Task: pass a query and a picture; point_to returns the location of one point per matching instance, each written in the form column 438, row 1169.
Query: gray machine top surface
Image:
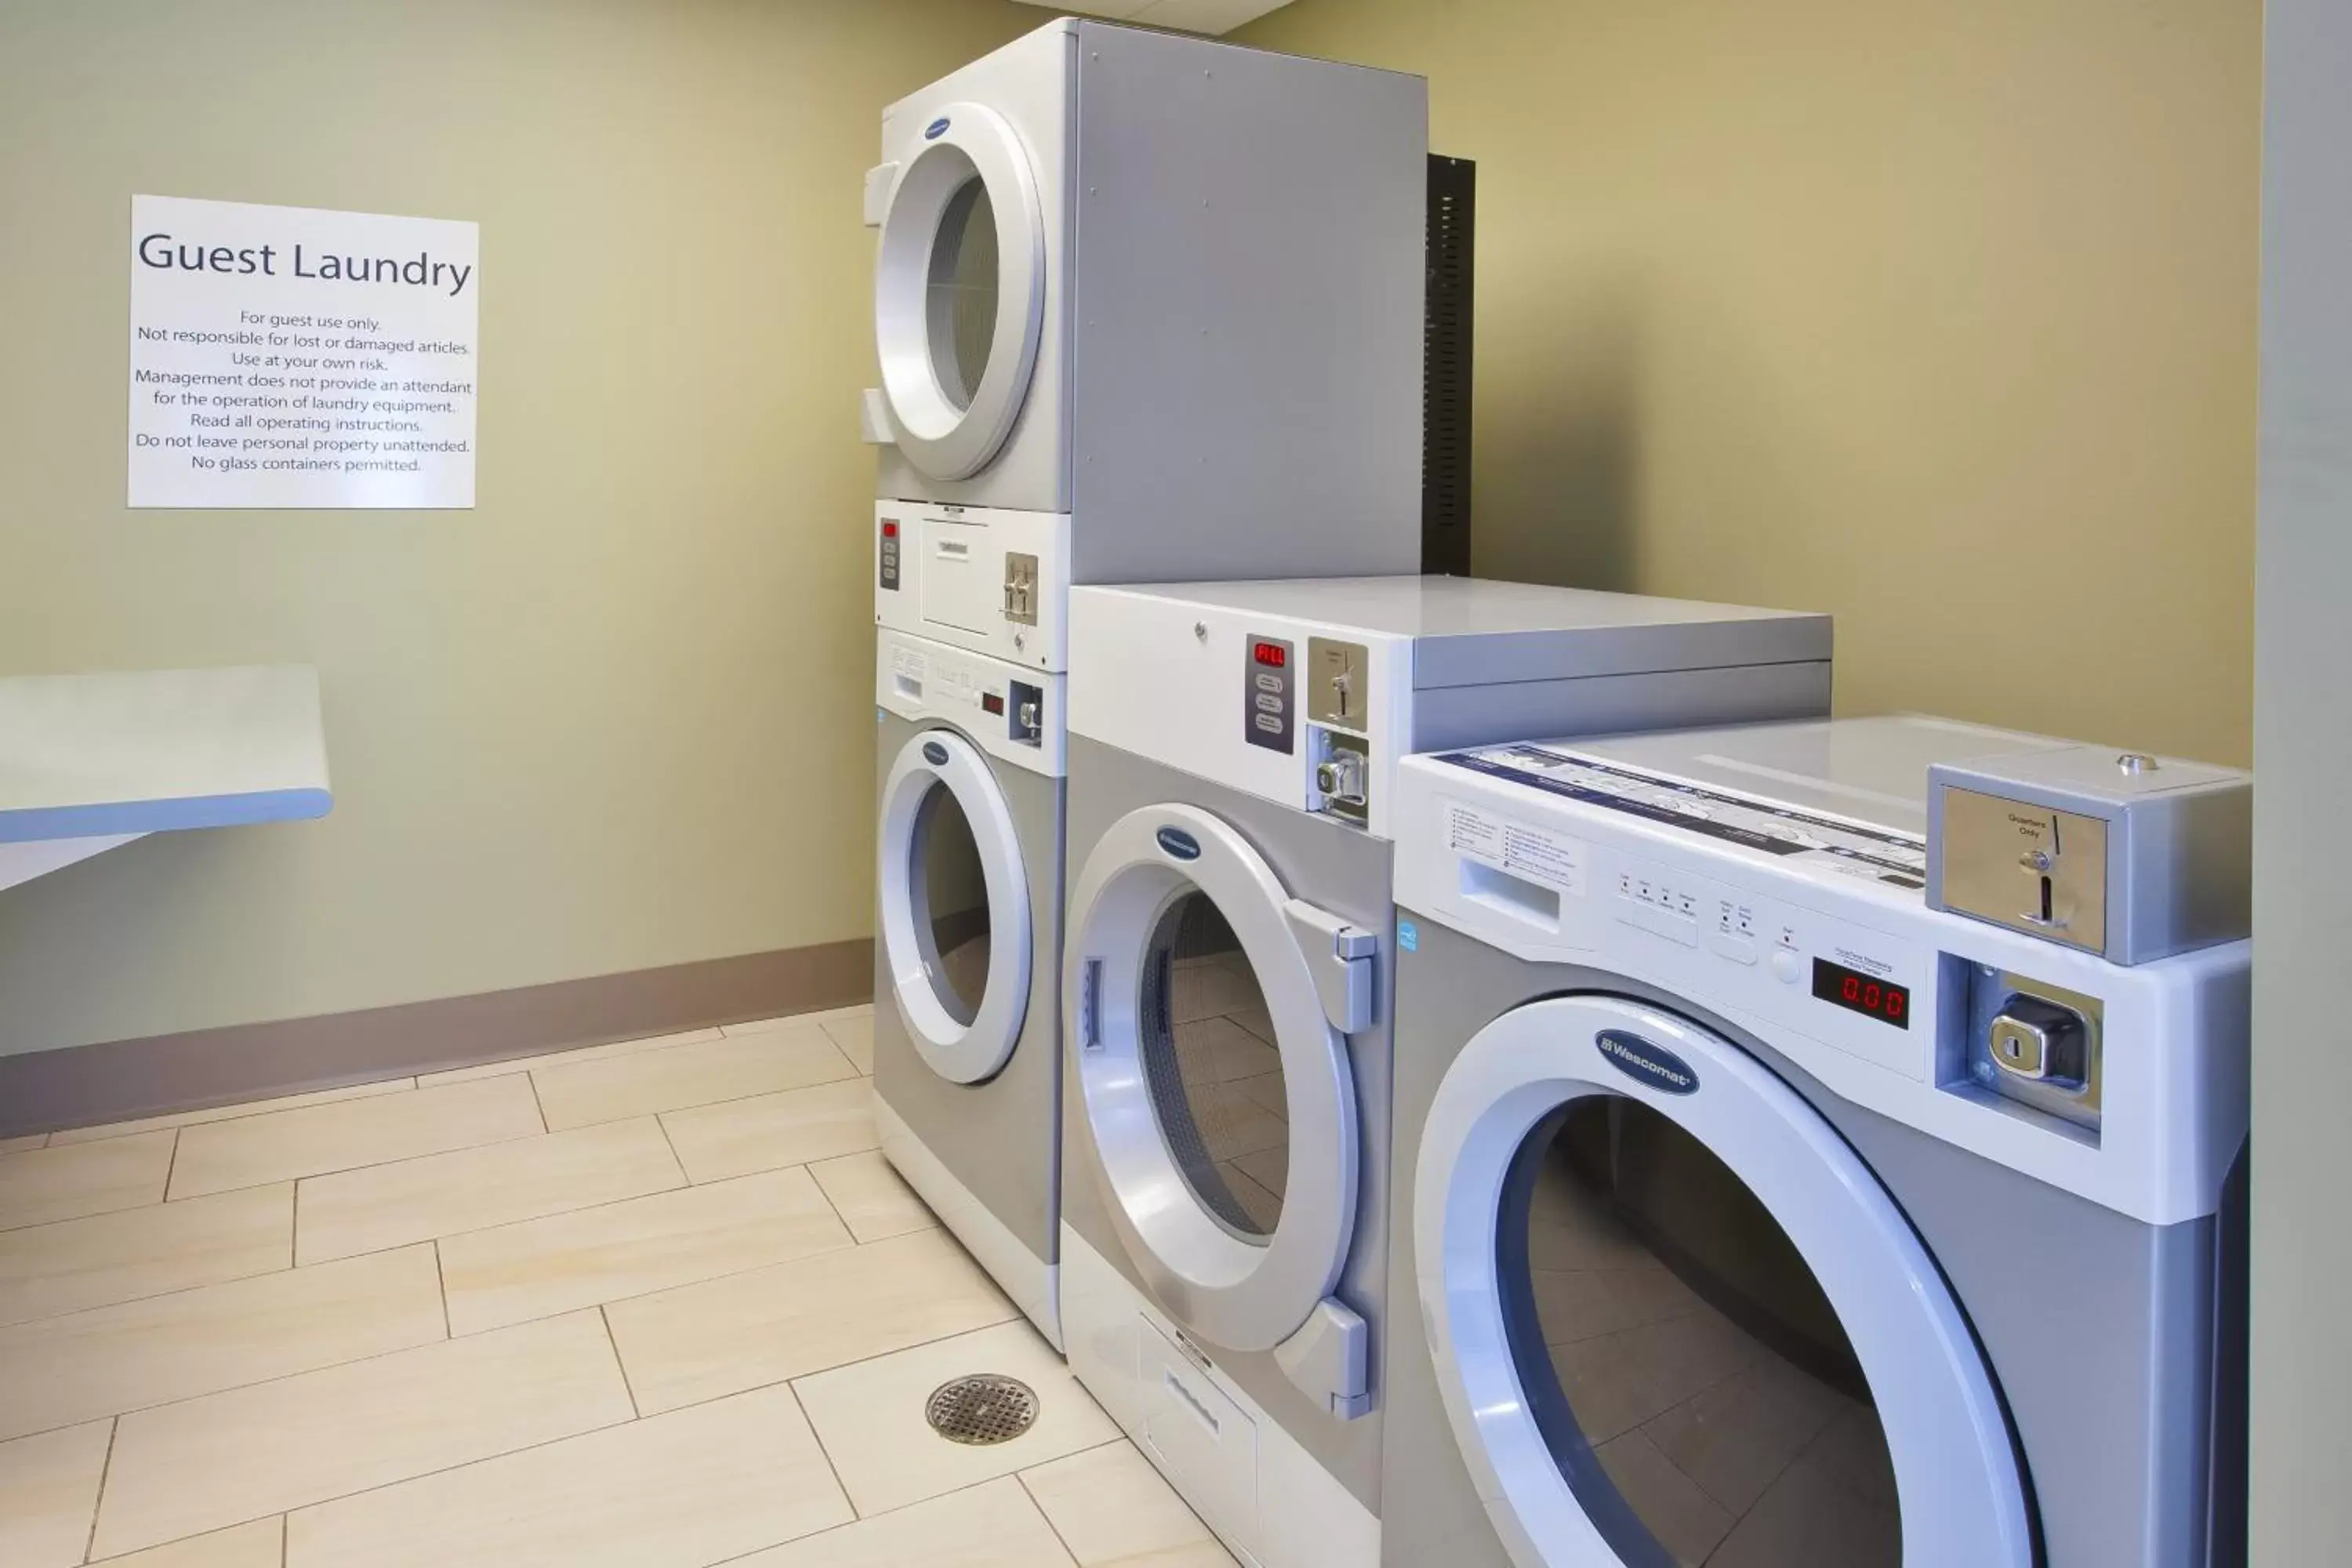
column 1473, row 631
column 1872, row 771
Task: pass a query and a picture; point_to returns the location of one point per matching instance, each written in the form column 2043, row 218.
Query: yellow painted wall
column 619, row 715
column 1936, row 314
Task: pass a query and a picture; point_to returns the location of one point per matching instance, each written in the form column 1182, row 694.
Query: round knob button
column 1788, row 967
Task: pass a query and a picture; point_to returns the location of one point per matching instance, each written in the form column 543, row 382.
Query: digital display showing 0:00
column 1864, row 993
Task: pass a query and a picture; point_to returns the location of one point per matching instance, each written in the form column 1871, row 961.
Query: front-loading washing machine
column 1766, row 1196
column 1226, row 979
column 1147, row 307
column 968, row 754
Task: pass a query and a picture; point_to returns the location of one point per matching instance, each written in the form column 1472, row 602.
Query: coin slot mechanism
column 1026, row 720
column 1338, row 775
column 2022, row 1044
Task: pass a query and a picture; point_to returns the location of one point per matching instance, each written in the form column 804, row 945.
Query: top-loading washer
column 1227, row 973
column 1147, row 307
column 967, row 951
column 1818, row 1144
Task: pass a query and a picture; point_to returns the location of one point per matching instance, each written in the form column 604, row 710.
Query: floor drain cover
column 980, row 1409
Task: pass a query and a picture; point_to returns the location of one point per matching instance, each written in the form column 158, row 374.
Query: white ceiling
column 1188, row 16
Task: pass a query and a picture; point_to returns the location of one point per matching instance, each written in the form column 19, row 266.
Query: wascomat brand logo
column 1637, row 1058
column 1180, row 844
column 935, row 754
column 935, row 130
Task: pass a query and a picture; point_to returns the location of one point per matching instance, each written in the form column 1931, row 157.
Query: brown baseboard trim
column 161, row 1075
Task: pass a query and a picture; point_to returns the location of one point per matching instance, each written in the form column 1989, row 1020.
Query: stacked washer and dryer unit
column 1819, row 1143
column 1139, row 298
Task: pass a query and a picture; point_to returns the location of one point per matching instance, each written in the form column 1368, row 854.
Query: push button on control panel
column 1655, row 905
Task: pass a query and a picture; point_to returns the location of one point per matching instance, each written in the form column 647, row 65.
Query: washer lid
column 960, row 291
column 964, row 1038
column 1769, row 1252
column 1159, row 1099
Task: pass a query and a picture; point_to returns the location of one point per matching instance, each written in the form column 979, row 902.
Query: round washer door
column 1217, row 1095
column 954, row 911
column 960, row 291
column 1676, row 1319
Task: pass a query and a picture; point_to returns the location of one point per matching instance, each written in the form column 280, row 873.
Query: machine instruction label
column 1844, row 848
column 295, row 357
column 1554, row 859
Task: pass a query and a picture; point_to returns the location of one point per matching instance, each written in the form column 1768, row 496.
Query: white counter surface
column 87, row 762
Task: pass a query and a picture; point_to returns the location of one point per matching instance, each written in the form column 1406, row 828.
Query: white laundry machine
column 1147, row 307
column 969, row 755
column 1818, row 1144
column 1226, row 976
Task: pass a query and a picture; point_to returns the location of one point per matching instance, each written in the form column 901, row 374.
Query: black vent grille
column 1445, row 367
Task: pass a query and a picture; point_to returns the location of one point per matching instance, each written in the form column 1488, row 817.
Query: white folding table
column 91, row 762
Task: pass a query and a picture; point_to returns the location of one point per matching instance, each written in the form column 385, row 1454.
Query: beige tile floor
column 656, row 1304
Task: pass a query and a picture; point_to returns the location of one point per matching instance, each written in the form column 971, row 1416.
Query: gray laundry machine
column 1783, row 1180
column 1226, row 984
column 969, row 759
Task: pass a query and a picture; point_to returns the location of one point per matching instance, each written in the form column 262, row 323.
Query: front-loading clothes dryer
column 1147, row 307
column 1226, row 984
column 1722, row 1234
column 968, row 754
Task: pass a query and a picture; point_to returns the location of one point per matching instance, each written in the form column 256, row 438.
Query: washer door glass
column 960, row 291
column 953, row 906
column 952, row 884
column 1689, row 1371
column 1207, row 1042
column 1218, row 1099
column 1675, row 1321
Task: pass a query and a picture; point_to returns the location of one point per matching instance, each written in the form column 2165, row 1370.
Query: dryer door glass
column 961, row 302
column 1690, row 1374
column 953, row 920
column 1207, row 1044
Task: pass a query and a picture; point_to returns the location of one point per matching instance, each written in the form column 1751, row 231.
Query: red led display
column 889, row 528
column 1273, row 655
column 1864, row 993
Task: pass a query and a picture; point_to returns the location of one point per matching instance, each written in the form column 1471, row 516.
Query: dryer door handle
column 881, row 182
column 1344, row 960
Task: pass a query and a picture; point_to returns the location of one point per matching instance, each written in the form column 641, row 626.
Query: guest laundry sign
column 295, row 357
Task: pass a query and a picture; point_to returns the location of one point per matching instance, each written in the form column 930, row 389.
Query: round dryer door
column 1676, row 1321
column 1216, row 1093
column 960, row 291
column 954, row 907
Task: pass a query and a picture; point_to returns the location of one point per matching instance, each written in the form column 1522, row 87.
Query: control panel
column 993, row 580
column 1976, row 1030
column 1269, row 683
column 2127, row 1086
column 1011, row 713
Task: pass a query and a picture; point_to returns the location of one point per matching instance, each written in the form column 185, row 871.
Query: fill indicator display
column 1864, row 993
column 1273, row 655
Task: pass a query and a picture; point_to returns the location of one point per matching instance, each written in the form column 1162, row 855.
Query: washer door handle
column 1343, row 958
